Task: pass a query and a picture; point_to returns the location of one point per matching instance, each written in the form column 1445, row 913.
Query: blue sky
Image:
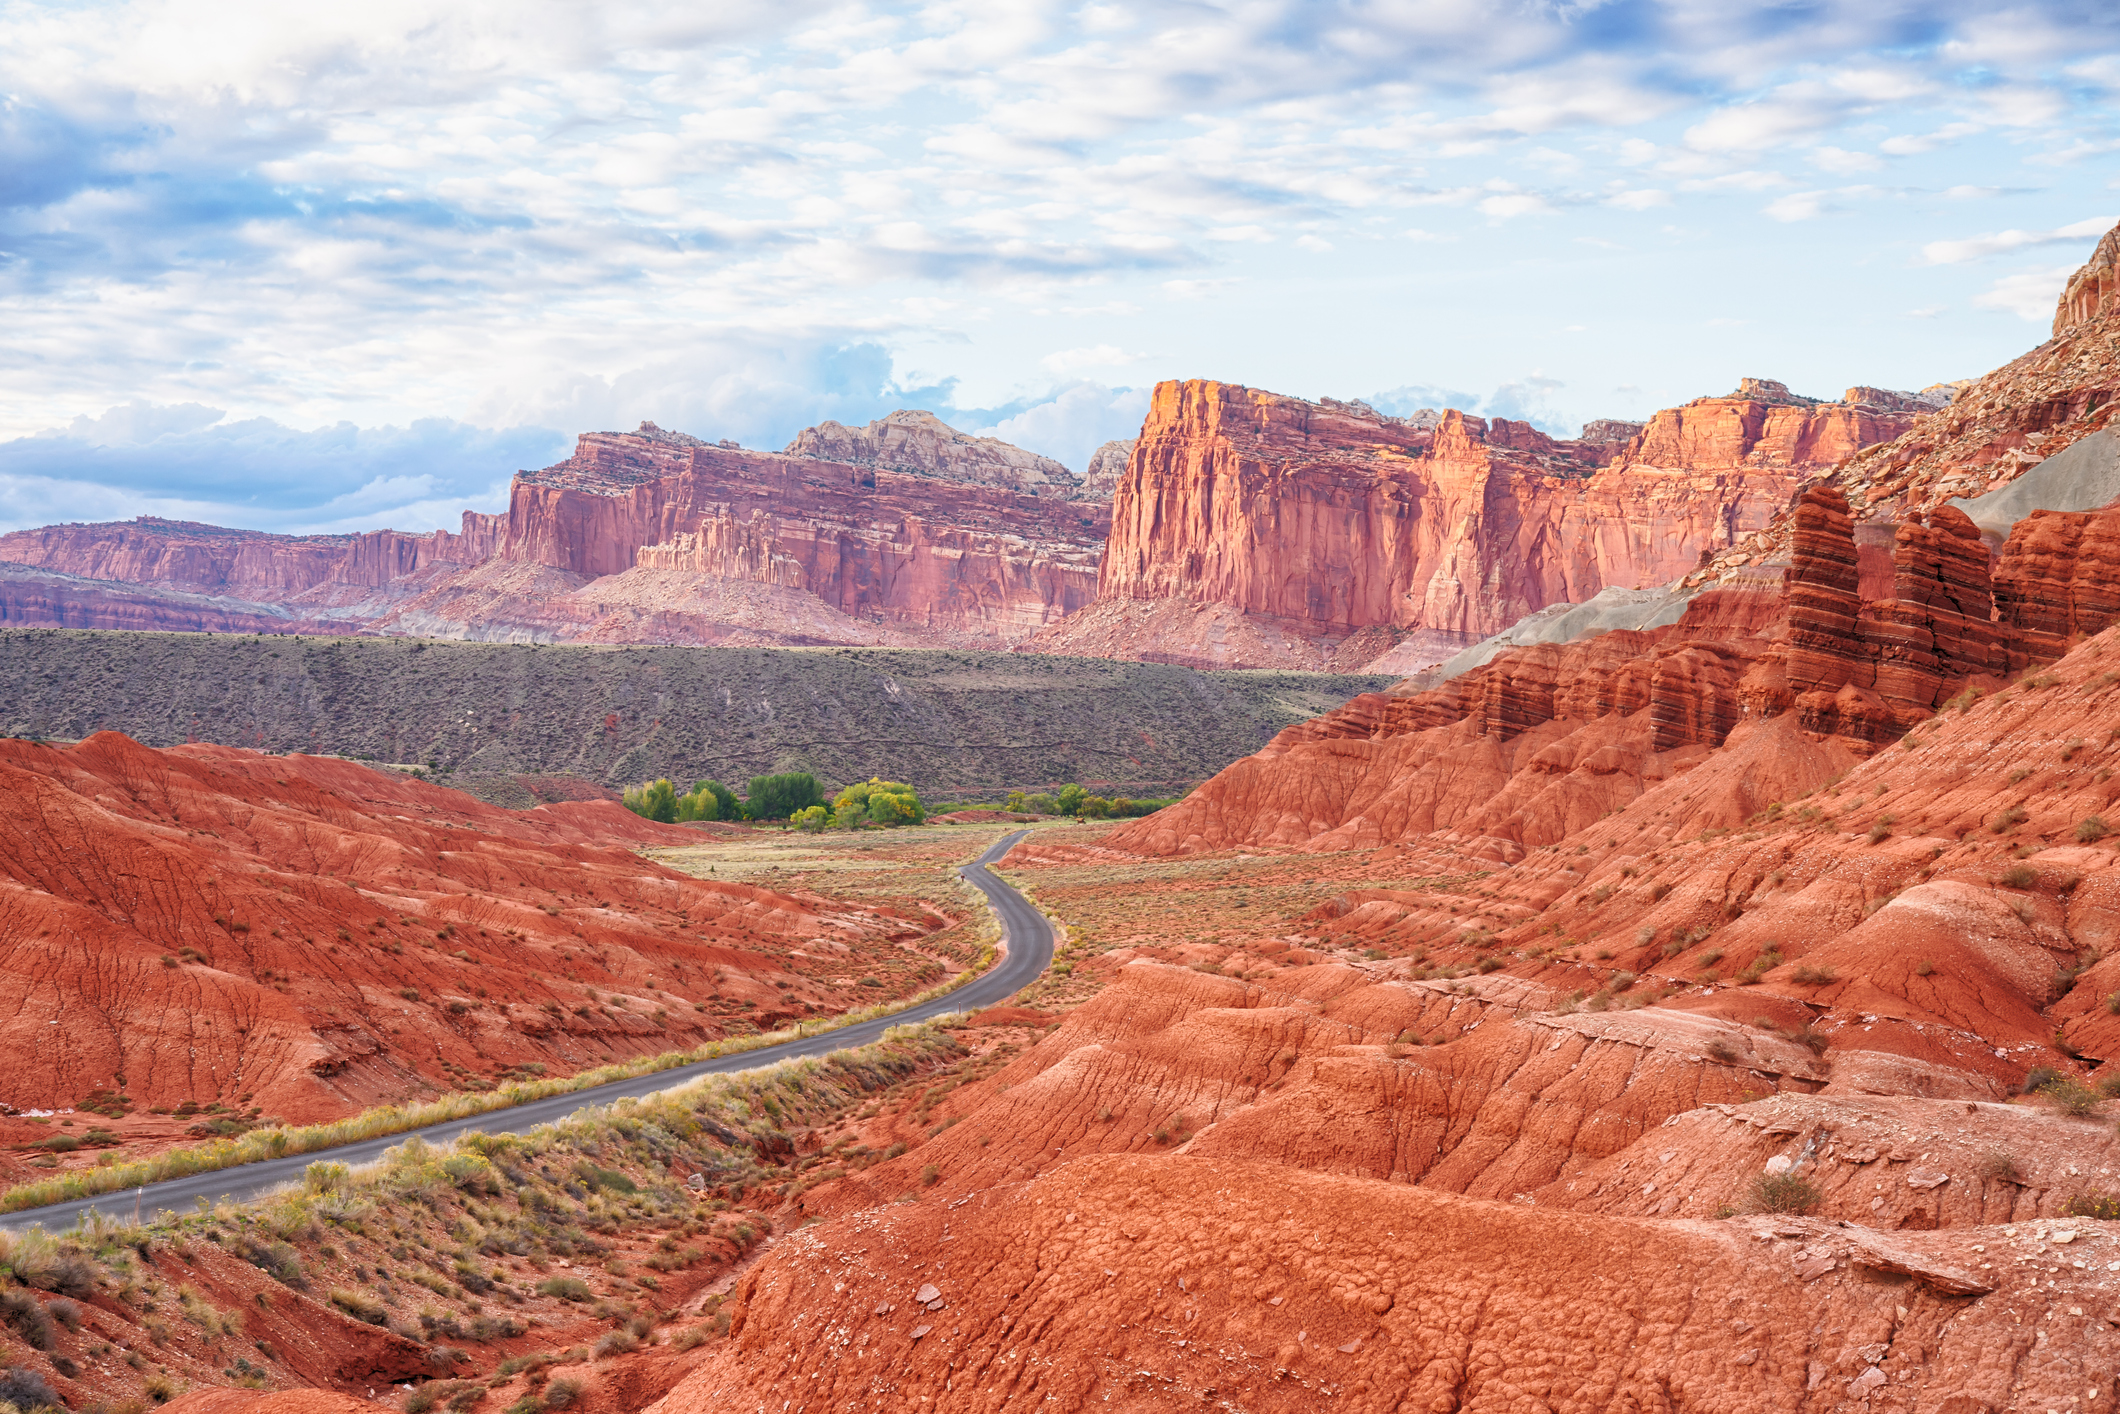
column 329, row 267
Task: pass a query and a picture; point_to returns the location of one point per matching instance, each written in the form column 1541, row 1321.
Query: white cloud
column 549, row 215
column 1979, row 247
column 2028, row 294
column 1841, row 162
column 1512, row 204
column 1641, row 199
column 1799, row 206
column 1067, row 363
column 1073, row 422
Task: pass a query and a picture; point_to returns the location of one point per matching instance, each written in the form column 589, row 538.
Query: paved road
column 1029, row 951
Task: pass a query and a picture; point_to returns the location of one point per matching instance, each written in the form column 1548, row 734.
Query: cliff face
column 986, row 562
column 920, row 442
column 649, row 536
column 1329, row 518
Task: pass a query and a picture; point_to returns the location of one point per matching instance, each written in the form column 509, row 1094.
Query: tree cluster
column 1074, row 800
column 877, row 802
column 707, row 800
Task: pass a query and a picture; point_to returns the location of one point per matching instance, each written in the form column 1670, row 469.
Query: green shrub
column 2070, row 1096
column 657, row 800
column 2008, row 820
column 2091, row 830
column 2102, row 1206
column 565, row 1288
column 360, row 1306
column 562, row 1392
column 1809, row 976
column 2018, row 876
column 1784, row 1193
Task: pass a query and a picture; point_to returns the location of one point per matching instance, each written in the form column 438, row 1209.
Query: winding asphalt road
column 1029, row 950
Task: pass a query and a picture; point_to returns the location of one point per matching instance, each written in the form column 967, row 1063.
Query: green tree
column 724, row 799
column 778, row 797
column 878, row 802
column 1041, row 804
column 699, row 805
column 810, row 817
column 1070, row 799
column 1016, row 802
column 1096, row 807
column 657, row 800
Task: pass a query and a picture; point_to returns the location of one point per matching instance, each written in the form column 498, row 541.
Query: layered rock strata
column 1988, row 433
column 922, row 535
column 1325, row 519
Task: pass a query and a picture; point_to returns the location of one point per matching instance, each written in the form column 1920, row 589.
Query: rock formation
column 919, row 535
column 318, row 936
column 1723, row 1027
column 1322, row 520
column 1106, row 465
column 922, row 443
column 2092, row 292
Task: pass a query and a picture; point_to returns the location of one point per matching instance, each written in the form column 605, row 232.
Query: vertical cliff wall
column 1330, row 518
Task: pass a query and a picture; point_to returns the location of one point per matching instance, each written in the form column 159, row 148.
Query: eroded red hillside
column 307, row 936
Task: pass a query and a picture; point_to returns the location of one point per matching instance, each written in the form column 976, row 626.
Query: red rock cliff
column 960, row 539
column 1336, row 518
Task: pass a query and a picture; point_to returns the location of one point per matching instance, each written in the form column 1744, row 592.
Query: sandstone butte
column 1713, row 1017
column 1253, row 529
column 307, row 936
column 1246, row 529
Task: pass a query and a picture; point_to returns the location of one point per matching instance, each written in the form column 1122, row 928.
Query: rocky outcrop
column 2058, row 579
column 922, row 444
column 1325, row 519
column 210, row 559
column 1824, row 649
column 1106, row 465
column 964, row 562
column 1603, row 431
column 1984, row 433
column 2093, row 291
column 1891, row 400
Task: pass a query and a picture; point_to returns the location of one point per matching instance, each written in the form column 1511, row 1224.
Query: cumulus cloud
column 544, row 215
column 1979, row 247
column 2028, row 294
column 186, row 462
column 1068, row 425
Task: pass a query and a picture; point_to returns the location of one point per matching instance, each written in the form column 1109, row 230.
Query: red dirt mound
column 286, row 1401
column 306, row 936
column 1145, row 1283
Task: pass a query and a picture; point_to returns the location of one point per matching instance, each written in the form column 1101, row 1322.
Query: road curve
column 1029, row 950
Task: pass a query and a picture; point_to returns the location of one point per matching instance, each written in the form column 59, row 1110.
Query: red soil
column 308, row 936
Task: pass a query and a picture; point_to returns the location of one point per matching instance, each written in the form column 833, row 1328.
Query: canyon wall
column 924, row 536
column 1242, row 529
column 1325, row 519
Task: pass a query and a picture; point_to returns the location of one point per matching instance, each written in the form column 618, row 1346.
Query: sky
column 310, row 267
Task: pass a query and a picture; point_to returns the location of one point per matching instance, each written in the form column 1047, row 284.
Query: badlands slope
column 1716, row 1016
column 306, row 936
